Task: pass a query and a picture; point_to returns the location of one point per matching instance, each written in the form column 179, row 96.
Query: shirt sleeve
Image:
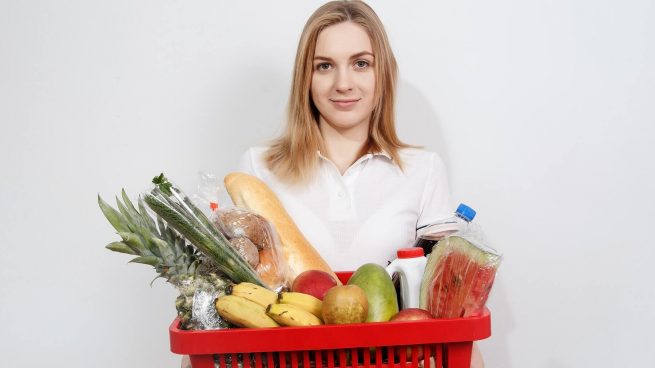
column 436, row 202
column 247, row 163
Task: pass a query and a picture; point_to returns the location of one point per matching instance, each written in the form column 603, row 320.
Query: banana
column 305, row 301
column 291, row 315
column 243, row 312
column 252, row 292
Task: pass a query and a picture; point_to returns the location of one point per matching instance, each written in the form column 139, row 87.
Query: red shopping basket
column 445, row 343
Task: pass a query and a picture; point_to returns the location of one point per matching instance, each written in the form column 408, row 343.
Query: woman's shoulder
column 420, row 158
column 256, row 151
column 253, row 160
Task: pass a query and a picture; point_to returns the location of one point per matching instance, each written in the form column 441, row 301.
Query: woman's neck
column 344, row 146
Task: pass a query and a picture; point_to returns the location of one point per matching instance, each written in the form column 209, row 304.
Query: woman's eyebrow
column 362, row 54
column 355, row 56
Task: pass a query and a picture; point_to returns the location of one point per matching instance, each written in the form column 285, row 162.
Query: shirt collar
column 381, row 154
column 368, row 155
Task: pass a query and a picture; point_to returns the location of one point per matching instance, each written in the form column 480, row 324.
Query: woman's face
column 343, row 79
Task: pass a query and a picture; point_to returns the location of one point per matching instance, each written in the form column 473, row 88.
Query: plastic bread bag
column 209, row 193
column 251, row 235
column 459, row 275
column 256, row 240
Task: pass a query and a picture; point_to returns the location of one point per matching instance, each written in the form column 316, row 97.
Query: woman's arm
column 435, row 201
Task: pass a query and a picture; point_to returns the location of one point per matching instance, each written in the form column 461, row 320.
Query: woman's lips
column 345, row 103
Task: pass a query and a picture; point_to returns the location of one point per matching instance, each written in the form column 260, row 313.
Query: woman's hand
column 476, row 357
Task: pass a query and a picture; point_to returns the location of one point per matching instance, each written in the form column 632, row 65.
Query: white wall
column 543, row 111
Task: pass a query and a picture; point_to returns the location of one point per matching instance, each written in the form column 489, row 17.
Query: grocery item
column 252, row 292
column 243, row 312
column 313, row 282
column 429, row 235
column 345, row 304
column 249, row 192
column 256, row 241
column 246, row 249
column 292, row 315
column 272, row 269
column 240, row 223
column 411, row 314
column 408, row 267
column 458, row 278
column 171, row 204
column 379, row 289
column 304, row 301
column 154, row 243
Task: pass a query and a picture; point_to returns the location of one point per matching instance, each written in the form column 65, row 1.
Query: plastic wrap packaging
column 251, row 235
column 459, row 275
column 196, row 302
column 256, row 240
column 204, row 315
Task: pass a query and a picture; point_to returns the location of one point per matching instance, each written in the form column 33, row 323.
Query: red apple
column 313, row 282
column 411, row 314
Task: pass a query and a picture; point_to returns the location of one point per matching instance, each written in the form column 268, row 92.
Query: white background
column 542, row 110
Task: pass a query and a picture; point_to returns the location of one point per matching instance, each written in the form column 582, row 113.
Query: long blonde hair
column 292, row 157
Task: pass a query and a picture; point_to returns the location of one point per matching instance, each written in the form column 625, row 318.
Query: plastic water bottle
column 429, row 235
column 409, row 266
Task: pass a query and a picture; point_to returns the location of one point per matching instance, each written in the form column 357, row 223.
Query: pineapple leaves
column 149, row 238
column 120, row 247
column 138, row 225
column 165, row 250
column 129, row 206
column 146, row 218
column 115, row 218
column 155, row 279
column 149, row 260
column 134, row 241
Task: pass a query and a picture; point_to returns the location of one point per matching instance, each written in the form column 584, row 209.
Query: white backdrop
column 543, row 111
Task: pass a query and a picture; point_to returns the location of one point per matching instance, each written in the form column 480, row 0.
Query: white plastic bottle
column 429, row 235
column 409, row 266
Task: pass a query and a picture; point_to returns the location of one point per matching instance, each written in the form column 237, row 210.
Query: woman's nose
column 343, row 81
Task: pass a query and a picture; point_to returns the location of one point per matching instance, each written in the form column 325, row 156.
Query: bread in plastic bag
column 242, row 227
column 459, row 275
column 250, row 234
column 238, row 223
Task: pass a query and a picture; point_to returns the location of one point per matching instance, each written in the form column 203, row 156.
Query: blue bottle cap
column 465, row 212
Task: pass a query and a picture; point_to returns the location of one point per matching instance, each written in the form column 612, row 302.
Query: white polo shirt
column 367, row 213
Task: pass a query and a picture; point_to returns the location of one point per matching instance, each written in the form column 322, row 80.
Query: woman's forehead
column 342, row 41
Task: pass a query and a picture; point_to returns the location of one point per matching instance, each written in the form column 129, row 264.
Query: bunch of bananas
column 250, row 305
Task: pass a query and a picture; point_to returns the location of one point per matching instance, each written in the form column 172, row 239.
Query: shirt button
column 341, row 195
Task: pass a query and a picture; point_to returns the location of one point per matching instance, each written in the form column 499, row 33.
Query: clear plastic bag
column 459, row 275
column 196, row 303
column 250, row 234
column 255, row 238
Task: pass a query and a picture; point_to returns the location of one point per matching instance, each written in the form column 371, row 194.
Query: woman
column 353, row 188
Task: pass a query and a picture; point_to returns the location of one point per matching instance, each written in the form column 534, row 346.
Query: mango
column 379, row 289
column 344, row 304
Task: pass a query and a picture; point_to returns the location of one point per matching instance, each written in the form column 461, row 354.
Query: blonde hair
column 292, row 157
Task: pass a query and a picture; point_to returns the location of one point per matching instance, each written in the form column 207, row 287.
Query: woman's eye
column 323, row 66
column 361, row 64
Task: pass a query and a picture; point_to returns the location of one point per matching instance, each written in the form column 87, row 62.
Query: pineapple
column 154, row 243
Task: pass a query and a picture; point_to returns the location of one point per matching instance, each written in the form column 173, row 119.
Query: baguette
column 250, row 192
